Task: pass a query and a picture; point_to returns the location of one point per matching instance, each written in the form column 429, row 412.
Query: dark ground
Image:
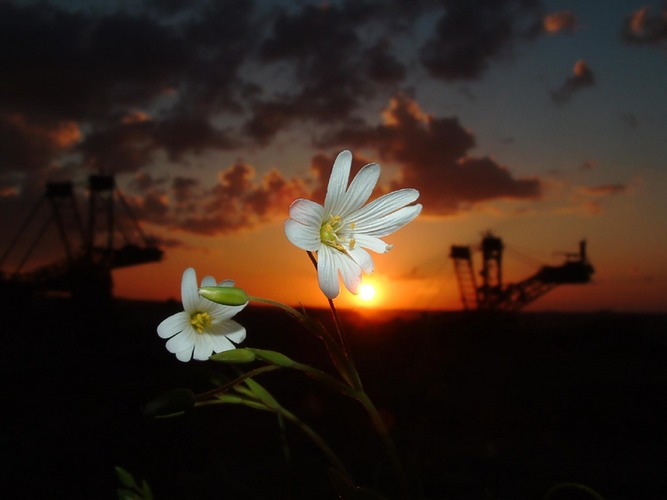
column 480, row 407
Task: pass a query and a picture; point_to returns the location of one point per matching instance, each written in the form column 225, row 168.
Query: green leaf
column 170, row 403
column 146, row 490
column 234, row 356
column 229, row 398
column 124, row 494
column 273, row 357
column 262, row 394
column 125, row 477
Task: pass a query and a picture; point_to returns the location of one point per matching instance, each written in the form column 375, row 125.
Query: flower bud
column 226, row 295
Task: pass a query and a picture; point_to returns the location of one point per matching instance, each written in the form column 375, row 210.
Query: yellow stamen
column 200, row 321
column 329, row 234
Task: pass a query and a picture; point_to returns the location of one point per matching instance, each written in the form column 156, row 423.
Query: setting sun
column 366, row 292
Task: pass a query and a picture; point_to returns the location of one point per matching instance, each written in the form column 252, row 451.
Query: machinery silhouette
column 84, row 272
column 493, row 295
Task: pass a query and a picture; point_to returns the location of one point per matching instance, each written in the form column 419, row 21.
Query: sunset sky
column 542, row 121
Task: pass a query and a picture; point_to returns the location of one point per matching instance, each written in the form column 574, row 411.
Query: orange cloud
column 31, row 145
column 560, row 22
column 135, row 117
column 432, row 153
column 637, row 22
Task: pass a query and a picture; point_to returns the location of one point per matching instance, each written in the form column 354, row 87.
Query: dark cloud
column 642, row 27
column 130, row 144
column 604, row 190
column 563, row 21
column 183, row 187
column 588, row 165
column 73, row 66
column 164, row 74
column 433, row 157
column 471, row 33
column 33, row 144
column 86, row 68
column 581, row 77
column 333, row 68
column 630, row 119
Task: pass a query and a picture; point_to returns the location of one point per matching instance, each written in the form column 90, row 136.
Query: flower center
column 200, row 321
column 331, row 234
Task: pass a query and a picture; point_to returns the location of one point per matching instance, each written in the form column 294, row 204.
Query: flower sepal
column 274, row 358
column 234, row 356
column 225, row 295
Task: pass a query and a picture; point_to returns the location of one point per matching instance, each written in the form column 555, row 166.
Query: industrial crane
column 90, row 252
column 493, row 295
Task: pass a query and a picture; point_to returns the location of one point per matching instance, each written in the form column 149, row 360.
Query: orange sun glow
column 366, row 292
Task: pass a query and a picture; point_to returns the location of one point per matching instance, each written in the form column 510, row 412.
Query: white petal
column 306, row 212
column 208, row 281
column 228, row 328
column 390, row 222
column 226, row 283
column 304, row 237
column 360, row 189
column 351, row 273
column 237, row 332
column 173, row 324
column 372, row 243
column 189, row 290
column 183, row 340
column 384, row 205
column 223, row 312
column 327, row 271
column 362, row 258
column 185, row 355
column 221, row 343
column 340, row 174
column 203, row 348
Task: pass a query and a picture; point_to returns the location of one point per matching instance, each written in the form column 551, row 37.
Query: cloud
column 130, row 144
column 163, row 76
column 589, row 165
column 29, row 145
column 630, row 119
column 643, row 28
column 333, row 70
column 240, row 200
column 563, row 21
column 433, row 156
column 87, row 68
column 604, row 189
column 581, row 77
column 469, row 35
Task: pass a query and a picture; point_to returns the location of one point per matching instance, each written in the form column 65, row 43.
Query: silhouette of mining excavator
column 90, row 252
column 493, row 295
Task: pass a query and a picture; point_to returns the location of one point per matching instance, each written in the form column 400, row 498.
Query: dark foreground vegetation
column 481, row 407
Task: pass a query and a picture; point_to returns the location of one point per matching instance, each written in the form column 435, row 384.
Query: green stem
column 302, row 426
column 339, row 358
column 289, row 309
column 388, row 443
column 574, row 486
column 257, row 371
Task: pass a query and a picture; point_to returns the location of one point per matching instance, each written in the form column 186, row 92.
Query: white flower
column 203, row 327
column 341, row 229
